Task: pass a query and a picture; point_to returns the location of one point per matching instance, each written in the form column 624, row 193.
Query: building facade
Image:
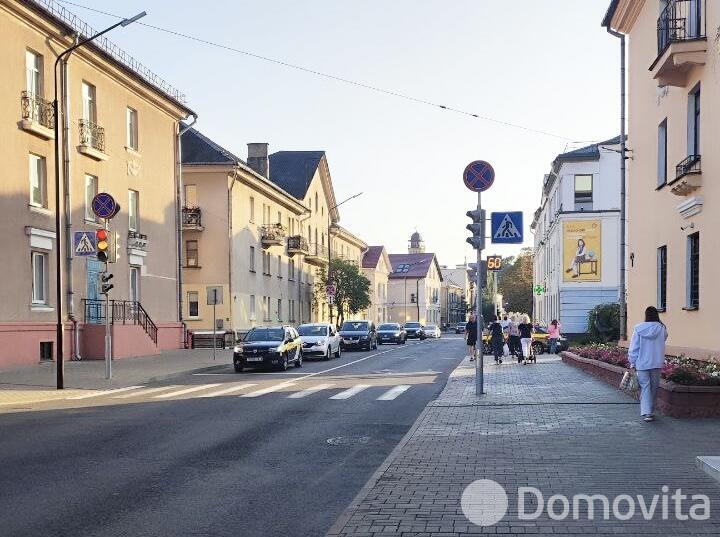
column 118, row 134
column 376, row 267
column 577, row 236
column 455, row 295
column 673, row 122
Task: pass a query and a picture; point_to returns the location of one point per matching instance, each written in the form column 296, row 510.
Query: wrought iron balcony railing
column 92, row 135
column 318, row 251
column 681, row 20
column 272, row 234
column 137, row 241
column 37, row 109
column 192, row 217
column 689, row 165
column 297, row 244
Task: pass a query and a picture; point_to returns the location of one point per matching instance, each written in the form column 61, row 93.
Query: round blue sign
column 479, row 176
column 104, row 205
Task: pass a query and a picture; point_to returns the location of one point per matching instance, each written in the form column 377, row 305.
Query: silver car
column 432, row 331
column 320, row 339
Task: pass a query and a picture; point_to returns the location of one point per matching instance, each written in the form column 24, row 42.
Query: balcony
column 92, row 140
column 688, row 176
column 38, row 115
column 137, row 241
column 681, row 41
column 317, row 255
column 192, row 219
column 297, row 244
column 272, row 235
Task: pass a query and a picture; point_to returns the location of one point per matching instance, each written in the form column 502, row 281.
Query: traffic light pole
column 108, row 334
column 479, row 379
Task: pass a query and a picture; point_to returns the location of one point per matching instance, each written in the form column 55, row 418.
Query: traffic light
column 103, row 244
column 105, row 286
column 477, row 228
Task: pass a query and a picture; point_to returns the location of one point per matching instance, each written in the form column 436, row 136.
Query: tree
column 352, row 288
column 516, row 282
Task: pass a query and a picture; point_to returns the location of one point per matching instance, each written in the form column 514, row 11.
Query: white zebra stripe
column 309, row 391
column 393, row 393
column 347, row 394
column 186, row 390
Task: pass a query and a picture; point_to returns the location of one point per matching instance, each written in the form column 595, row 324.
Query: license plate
column 254, row 359
column 347, row 340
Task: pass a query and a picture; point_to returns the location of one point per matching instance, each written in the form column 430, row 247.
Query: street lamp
column 58, row 241
column 329, row 279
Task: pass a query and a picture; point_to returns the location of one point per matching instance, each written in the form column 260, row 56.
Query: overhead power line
column 329, row 76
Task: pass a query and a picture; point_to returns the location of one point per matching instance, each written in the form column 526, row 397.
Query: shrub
column 604, row 323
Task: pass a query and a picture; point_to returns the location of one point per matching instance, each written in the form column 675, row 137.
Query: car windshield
column 310, row 330
column 412, row 325
column 431, row 327
column 389, row 327
column 354, row 326
column 265, row 334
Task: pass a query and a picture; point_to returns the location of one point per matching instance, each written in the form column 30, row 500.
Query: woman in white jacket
column 647, row 357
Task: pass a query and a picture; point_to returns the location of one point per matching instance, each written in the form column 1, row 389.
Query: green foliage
column 352, row 288
column 604, row 323
column 516, row 282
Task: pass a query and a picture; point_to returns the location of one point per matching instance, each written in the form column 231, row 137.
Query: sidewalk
column 37, row 383
column 548, row 426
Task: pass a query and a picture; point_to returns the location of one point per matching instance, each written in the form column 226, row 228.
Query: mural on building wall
column 582, row 250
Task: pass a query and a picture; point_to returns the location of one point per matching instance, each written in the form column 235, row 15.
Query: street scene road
column 213, row 452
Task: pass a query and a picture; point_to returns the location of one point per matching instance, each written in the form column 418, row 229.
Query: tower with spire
column 416, row 245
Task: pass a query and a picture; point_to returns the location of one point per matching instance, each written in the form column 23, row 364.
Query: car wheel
column 283, row 362
column 298, row 360
column 238, row 367
column 328, row 354
column 539, row 348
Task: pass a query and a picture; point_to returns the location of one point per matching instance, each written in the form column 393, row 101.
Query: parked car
column 268, row 346
column 432, row 331
column 460, row 328
column 391, row 333
column 415, row 330
column 319, row 339
column 358, row 335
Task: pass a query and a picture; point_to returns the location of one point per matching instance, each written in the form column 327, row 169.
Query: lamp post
column 60, row 371
column 329, row 272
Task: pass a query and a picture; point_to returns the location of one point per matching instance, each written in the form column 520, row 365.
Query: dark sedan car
column 275, row 346
column 415, row 330
column 358, row 335
column 391, row 333
column 460, row 328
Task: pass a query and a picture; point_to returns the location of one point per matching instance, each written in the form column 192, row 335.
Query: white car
column 432, row 330
column 320, row 339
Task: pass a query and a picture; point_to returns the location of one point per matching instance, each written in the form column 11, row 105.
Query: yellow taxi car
column 540, row 341
column 268, row 346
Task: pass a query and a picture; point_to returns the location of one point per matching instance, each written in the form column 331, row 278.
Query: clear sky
column 545, row 64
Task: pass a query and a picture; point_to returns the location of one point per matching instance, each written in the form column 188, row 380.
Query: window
column 132, row 128
column 316, row 202
column 89, row 102
column 39, row 263
column 252, row 209
column 252, row 307
column 266, row 263
column 133, row 210
column 193, row 304
column 279, row 309
column 34, row 73
column 266, row 308
column 583, row 192
column 279, row 272
column 291, row 269
column 252, row 259
column 91, row 190
column 662, row 153
column 266, row 215
column 135, row 284
column 38, row 181
column 693, row 135
column 191, row 196
column 402, row 268
column 692, row 277
column 191, row 253
column 662, row 278
column 279, row 220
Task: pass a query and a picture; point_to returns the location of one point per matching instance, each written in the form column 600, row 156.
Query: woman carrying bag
column 647, row 357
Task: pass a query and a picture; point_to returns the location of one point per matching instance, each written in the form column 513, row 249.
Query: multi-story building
column 671, row 186
column 118, row 133
column 577, row 236
column 376, row 267
column 455, row 295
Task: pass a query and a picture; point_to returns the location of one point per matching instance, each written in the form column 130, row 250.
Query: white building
column 577, row 236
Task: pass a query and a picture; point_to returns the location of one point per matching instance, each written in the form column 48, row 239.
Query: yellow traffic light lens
column 102, row 245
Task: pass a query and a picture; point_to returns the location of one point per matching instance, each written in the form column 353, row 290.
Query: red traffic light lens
column 101, row 235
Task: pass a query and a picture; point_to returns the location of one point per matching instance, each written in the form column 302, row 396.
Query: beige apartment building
column 674, row 124
column 376, row 267
column 118, row 132
column 455, row 294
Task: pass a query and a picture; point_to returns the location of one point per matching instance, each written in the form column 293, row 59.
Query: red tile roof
column 419, row 265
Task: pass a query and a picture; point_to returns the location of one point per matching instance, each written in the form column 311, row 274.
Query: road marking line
column 145, row 392
column 393, row 393
column 186, row 390
column 228, row 390
column 309, row 391
column 276, row 387
column 104, row 392
column 347, row 394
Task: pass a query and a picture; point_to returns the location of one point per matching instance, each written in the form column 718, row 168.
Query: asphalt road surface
column 215, row 453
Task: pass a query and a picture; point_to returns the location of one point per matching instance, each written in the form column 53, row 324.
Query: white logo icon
column 85, row 246
column 507, row 229
column 484, row 502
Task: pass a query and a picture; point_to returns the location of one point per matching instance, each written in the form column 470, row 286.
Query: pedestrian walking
column 526, row 332
column 554, row 335
column 497, row 340
column 647, row 357
column 471, row 335
column 505, row 323
column 514, row 338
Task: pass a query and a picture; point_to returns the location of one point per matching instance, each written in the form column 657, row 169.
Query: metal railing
column 318, row 250
column 681, row 20
column 137, row 240
column 92, row 135
column 192, row 217
column 272, row 233
column 297, row 244
column 121, row 312
column 35, row 108
column 689, row 165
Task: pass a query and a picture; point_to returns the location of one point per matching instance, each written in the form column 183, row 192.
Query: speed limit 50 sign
column 494, row 262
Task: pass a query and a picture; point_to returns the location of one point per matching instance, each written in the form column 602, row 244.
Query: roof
column 610, row 13
column 293, row 170
column 199, row 149
column 589, row 152
column 418, row 265
column 372, row 256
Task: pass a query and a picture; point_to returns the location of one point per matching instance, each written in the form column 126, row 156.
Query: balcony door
column 89, row 103
column 94, row 268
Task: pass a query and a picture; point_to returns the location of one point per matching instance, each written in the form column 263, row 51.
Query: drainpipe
column 230, row 249
column 623, row 171
column 180, row 194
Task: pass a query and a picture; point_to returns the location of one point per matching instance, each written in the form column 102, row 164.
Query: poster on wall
column 582, row 251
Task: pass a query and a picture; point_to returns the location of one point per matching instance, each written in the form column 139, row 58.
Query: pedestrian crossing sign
column 507, row 228
column 84, row 243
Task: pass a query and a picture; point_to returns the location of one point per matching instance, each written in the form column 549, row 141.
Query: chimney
column 258, row 158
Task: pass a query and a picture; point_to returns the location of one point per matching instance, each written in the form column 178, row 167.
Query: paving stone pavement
column 548, row 426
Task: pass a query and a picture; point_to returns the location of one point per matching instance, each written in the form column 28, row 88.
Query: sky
column 547, row 65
